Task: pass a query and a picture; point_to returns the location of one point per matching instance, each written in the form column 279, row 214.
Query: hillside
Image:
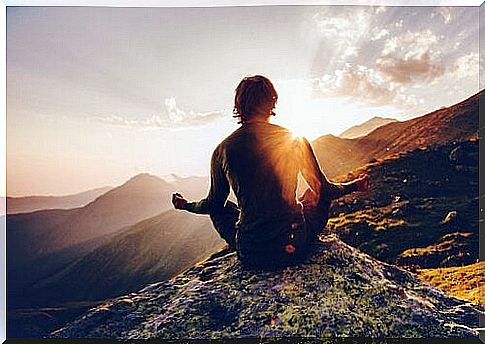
column 422, row 209
column 16, row 205
column 366, row 127
column 340, row 291
column 39, row 234
column 154, row 249
column 463, row 282
column 458, row 122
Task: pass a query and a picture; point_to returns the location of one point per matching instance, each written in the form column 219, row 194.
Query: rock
column 337, row 291
column 451, row 216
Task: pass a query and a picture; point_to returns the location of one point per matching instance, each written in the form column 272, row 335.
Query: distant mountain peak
column 366, row 127
column 142, row 176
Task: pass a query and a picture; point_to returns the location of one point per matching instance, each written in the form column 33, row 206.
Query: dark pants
column 315, row 220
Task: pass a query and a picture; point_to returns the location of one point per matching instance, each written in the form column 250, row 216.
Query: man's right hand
column 178, row 201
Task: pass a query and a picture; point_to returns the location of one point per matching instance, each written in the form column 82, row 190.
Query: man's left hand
column 178, row 201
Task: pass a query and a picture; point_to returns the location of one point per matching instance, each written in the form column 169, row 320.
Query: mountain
column 16, row 205
column 38, row 234
column 366, row 127
column 154, row 249
column 421, row 209
column 43, row 243
column 458, row 122
column 44, row 289
column 338, row 292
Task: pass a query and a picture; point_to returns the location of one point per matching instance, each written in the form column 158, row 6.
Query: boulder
column 337, row 291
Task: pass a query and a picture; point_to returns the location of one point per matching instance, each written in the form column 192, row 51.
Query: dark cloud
column 416, row 69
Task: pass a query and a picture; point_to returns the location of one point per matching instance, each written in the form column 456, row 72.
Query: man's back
column 260, row 161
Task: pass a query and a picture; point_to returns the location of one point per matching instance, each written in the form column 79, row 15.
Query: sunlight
column 306, row 116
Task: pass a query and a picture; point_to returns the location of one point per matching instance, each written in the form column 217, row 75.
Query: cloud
column 411, row 57
column 364, row 85
column 405, row 71
column 191, row 118
column 175, row 118
column 444, row 13
column 466, row 65
column 380, row 9
column 378, row 33
column 343, row 29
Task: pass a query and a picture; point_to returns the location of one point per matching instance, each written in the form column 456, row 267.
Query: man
column 261, row 161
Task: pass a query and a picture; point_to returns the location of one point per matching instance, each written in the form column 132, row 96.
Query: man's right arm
column 315, row 177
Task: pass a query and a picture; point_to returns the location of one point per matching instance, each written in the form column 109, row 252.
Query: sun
column 311, row 117
column 308, row 116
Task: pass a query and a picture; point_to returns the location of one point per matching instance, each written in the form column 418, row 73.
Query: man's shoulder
column 228, row 141
column 279, row 128
column 244, row 132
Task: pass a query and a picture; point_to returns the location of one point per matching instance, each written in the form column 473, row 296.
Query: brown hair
column 254, row 95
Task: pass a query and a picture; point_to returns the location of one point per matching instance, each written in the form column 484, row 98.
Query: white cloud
column 191, row 118
column 343, row 29
column 379, row 33
column 466, row 65
column 380, row 9
column 445, row 14
column 175, row 118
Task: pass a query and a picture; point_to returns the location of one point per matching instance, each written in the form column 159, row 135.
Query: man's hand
column 178, row 201
column 363, row 182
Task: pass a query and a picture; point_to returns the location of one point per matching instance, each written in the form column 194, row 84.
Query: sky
column 96, row 95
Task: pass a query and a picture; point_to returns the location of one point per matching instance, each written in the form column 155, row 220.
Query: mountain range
column 17, row 205
column 458, row 122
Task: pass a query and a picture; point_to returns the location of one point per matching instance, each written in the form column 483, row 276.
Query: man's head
column 255, row 96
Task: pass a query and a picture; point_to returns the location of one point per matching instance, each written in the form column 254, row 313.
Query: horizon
column 94, row 107
column 170, row 178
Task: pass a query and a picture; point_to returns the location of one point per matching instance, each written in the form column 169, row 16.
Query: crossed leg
column 316, row 218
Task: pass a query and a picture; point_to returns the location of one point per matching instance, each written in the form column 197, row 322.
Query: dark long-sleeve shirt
column 261, row 162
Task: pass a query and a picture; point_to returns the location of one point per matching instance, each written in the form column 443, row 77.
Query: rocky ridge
column 337, row 291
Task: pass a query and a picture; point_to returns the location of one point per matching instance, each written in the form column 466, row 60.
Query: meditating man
column 260, row 161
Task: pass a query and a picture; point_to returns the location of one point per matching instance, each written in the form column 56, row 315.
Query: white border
column 218, row 3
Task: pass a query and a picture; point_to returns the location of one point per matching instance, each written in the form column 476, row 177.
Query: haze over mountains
column 38, row 234
column 155, row 249
column 128, row 237
column 47, row 249
column 366, row 127
column 16, row 205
